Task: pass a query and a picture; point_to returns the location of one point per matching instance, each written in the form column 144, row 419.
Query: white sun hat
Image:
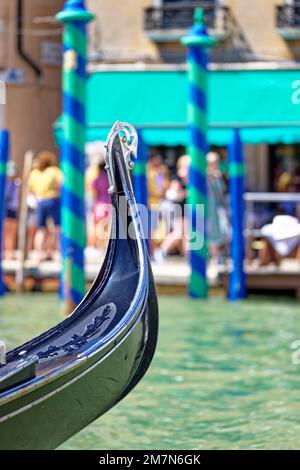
column 283, row 227
column 283, row 234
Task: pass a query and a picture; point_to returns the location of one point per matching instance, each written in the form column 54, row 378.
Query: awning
column 259, row 102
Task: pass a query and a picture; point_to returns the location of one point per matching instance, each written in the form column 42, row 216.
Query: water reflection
column 222, row 376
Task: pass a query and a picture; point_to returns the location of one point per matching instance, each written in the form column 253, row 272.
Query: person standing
column 102, row 207
column 12, row 200
column 218, row 227
column 158, row 182
column 177, row 193
column 158, row 179
column 95, row 152
column 45, row 183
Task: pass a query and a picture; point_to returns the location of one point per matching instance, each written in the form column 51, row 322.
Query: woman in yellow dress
column 45, row 183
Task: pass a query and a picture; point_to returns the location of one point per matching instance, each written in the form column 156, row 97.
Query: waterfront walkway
column 172, row 275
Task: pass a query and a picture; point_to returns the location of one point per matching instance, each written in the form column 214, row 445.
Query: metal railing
column 180, row 16
column 288, row 15
column 272, row 197
column 252, row 198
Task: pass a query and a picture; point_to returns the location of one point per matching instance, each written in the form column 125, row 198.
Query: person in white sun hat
column 281, row 240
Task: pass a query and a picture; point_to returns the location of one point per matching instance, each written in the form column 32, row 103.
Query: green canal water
column 222, row 378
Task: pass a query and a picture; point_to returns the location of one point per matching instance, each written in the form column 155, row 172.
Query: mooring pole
column 237, row 277
column 4, row 153
column 140, row 184
column 198, row 42
column 75, row 17
column 23, row 215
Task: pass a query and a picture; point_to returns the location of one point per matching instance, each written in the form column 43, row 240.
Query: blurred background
column 138, row 72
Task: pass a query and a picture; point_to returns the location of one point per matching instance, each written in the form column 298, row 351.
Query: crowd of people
column 168, row 197
column 281, row 235
column 167, row 191
column 43, row 208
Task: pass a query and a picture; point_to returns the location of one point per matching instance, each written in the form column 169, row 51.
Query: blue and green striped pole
column 75, row 17
column 140, row 183
column 4, row 153
column 237, row 277
column 198, row 42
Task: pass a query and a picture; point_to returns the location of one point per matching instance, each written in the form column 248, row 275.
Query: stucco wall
column 118, row 32
column 31, row 105
column 118, row 29
column 255, row 22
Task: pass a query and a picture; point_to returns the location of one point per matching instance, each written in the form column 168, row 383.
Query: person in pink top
column 102, row 207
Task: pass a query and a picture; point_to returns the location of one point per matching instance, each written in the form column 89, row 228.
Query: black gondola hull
column 61, row 410
column 57, row 383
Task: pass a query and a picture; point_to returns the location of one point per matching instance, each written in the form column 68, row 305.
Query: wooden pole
column 22, row 228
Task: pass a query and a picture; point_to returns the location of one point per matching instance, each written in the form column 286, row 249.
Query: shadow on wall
column 233, row 48
column 236, row 47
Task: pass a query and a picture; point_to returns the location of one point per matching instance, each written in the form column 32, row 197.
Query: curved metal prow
column 125, row 135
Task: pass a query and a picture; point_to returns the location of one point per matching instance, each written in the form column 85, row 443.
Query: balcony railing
column 288, row 20
column 172, row 21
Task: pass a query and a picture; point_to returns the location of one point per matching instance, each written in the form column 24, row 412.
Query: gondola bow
column 56, row 384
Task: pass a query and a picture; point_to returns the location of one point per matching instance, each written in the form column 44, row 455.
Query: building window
column 169, row 20
column 288, row 19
